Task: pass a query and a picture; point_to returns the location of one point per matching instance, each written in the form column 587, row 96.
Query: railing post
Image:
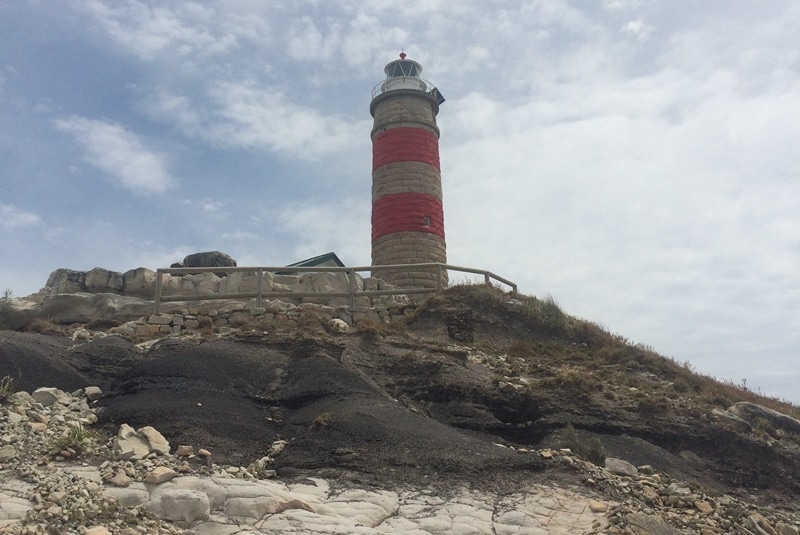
column 439, row 277
column 157, row 297
column 352, row 276
column 260, row 290
column 487, row 280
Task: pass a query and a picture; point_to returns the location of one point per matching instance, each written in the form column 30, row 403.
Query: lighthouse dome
column 403, row 74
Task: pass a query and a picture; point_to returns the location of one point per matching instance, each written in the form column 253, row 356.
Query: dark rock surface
column 209, row 259
column 401, row 403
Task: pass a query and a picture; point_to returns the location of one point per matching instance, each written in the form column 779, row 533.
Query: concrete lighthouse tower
column 407, row 215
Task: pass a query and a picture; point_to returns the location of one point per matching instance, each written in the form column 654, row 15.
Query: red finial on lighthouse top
column 402, row 55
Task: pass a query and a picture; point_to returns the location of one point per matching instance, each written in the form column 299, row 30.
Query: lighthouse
column 407, row 213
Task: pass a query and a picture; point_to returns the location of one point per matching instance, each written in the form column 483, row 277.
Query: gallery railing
column 352, row 293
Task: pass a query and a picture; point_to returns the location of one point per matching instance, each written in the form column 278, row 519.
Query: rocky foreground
column 60, row 476
column 476, row 412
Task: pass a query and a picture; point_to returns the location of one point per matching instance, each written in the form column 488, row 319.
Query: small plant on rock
column 74, row 441
column 323, row 420
column 43, row 326
column 592, row 450
column 7, row 389
column 5, row 308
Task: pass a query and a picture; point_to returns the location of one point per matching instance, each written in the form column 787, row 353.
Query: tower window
column 427, row 221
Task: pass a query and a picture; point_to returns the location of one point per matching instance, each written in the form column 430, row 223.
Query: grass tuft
column 7, row 389
column 591, row 450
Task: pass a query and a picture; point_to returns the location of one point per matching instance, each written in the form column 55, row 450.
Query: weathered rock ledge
column 56, row 478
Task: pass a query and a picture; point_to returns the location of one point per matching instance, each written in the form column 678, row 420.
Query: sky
column 637, row 161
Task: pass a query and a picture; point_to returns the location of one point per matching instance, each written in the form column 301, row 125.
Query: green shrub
column 74, row 441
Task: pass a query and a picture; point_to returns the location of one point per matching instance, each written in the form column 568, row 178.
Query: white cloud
column 318, row 226
column 247, row 115
column 620, row 5
column 641, row 31
column 119, row 153
column 12, row 217
column 184, row 29
column 240, row 236
column 306, row 41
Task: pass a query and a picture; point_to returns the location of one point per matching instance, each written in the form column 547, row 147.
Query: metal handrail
column 378, row 89
column 352, row 293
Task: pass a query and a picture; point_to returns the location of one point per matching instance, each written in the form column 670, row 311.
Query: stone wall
column 189, row 320
column 81, row 297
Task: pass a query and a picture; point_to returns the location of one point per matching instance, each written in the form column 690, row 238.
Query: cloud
column 641, row 31
column 184, row 30
column 620, row 5
column 240, row 235
column 319, row 226
column 12, row 218
column 119, row 153
column 247, row 115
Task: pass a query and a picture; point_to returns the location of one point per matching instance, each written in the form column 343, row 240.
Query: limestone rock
column 620, row 467
column 7, row 453
column 100, row 280
column 81, row 334
column 734, row 421
column 93, row 393
column 785, row 529
column 598, row 507
column 85, row 307
column 760, row 525
column 160, row 474
column 243, row 282
column 181, row 506
column 338, row 325
column 66, row 281
column 132, row 444
column 156, row 441
column 121, row 479
column 129, row 445
column 642, row 524
column 47, row 396
column 184, row 451
column 751, row 411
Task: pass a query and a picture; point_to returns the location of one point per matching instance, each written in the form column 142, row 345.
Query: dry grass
column 44, row 326
column 571, row 352
column 7, row 389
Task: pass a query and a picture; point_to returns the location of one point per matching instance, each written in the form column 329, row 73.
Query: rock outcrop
column 71, row 296
column 753, row 413
column 209, row 259
column 53, row 480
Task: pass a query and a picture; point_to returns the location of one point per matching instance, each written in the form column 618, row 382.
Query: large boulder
column 100, row 280
column 752, row 413
column 209, row 259
column 244, row 282
column 139, row 282
column 85, row 307
column 66, row 281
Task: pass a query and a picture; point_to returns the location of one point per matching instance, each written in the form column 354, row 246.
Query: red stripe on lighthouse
column 405, row 144
column 407, row 212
